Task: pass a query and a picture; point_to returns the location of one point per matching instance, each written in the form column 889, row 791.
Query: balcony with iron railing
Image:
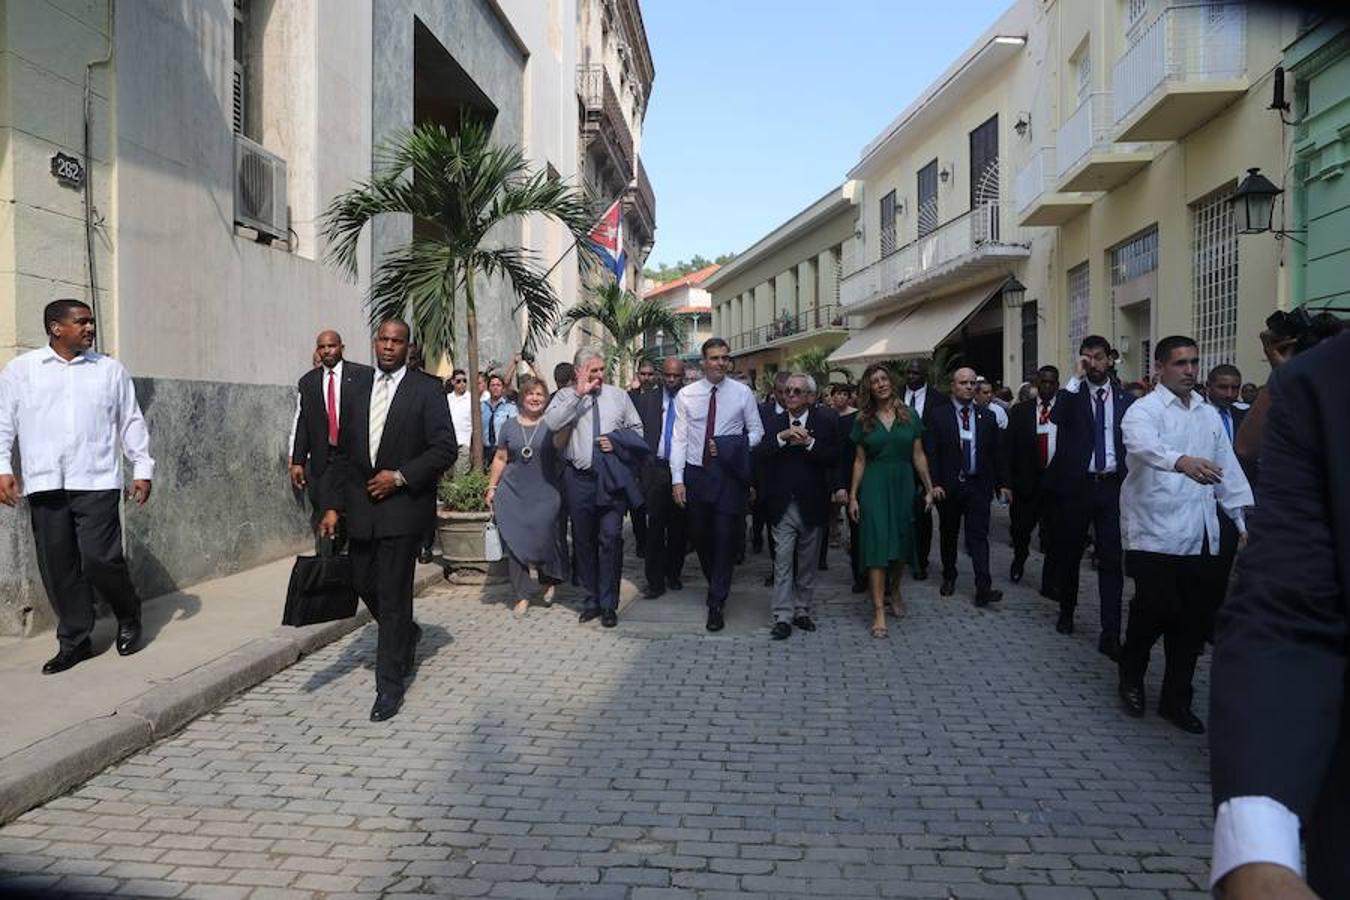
column 602, row 116
column 976, row 246
column 1036, row 196
column 644, row 202
column 1086, row 157
column 792, row 329
column 1185, row 66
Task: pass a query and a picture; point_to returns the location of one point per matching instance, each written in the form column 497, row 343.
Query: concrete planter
column 461, row 535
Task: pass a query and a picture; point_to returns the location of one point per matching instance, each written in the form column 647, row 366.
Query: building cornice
column 831, row 204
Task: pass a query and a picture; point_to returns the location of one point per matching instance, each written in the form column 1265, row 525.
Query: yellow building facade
column 1084, row 151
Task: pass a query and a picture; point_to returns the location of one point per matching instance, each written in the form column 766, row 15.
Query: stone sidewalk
column 974, row 754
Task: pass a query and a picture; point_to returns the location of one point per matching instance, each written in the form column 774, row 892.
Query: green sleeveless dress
column 886, row 495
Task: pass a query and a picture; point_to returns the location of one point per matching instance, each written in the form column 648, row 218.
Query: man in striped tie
column 383, row 481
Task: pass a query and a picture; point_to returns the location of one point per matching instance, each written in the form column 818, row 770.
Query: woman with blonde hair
column 887, row 435
column 524, row 498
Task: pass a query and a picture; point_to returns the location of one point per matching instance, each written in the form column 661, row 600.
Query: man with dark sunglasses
column 461, row 415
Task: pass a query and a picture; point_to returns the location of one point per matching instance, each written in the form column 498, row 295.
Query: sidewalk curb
column 55, row 764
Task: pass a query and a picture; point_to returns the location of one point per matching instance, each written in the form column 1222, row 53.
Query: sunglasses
column 796, row 390
column 460, row 380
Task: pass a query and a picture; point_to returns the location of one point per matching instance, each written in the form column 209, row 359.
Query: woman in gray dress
column 523, row 496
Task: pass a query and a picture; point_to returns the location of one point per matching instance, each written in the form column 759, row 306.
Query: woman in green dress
column 881, row 500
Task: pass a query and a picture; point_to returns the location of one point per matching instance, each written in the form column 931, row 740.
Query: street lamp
column 1254, row 200
column 1014, row 293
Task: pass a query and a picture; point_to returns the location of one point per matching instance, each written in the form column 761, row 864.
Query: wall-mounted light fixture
column 1014, row 293
column 1023, row 124
column 1254, row 205
column 944, row 173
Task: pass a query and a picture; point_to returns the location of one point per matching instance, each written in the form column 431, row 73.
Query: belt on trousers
column 1103, row 476
column 584, row 473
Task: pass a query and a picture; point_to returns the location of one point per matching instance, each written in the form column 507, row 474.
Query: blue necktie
column 1099, row 440
column 1227, row 417
column 669, row 428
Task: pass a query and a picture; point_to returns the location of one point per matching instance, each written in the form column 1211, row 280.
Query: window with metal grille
column 888, row 224
column 1137, row 256
column 1029, row 340
column 1214, row 264
column 1135, row 11
column 927, row 209
column 1078, row 307
column 240, row 82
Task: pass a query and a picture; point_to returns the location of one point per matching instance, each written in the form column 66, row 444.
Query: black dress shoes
column 921, row 573
column 1065, row 623
column 1132, row 699
column 984, row 598
column 1184, row 719
column 425, row 556
column 768, row 580
column 68, row 658
column 781, row 631
column 675, row 584
column 652, row 592
column 1108, row 645
column 948, row 587
column 587, row 614
column 859, row 586
column 1016, row 573
column 386, row 707
column 609, row 618
column 715, row 622
column 804, row 623
column 128, row 637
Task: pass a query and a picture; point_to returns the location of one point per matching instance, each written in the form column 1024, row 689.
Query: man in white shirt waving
column 1180, row 463
column 71, row 410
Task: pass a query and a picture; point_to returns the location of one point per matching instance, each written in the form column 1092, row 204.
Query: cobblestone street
column 975, row 753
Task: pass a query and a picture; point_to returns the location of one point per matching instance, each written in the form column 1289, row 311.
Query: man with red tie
column 1031, row 436
column 314, row 436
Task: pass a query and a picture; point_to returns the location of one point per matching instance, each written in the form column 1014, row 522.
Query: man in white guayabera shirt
column 72, row 409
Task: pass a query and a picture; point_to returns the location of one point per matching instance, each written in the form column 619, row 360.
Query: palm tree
column 458, row 187
column 815, row 361
column 625, row 319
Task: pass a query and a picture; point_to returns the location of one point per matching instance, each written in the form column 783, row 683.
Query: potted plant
column 462, row 516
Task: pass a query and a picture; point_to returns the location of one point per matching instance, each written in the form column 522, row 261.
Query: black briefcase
column 320, row 590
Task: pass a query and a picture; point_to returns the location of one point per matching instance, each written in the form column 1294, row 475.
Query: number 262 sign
column 68, row 170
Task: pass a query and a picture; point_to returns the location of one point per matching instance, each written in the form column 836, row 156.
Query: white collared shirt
column 1162, row 510
column 917, row 399
column 566, row 409
column 967, row 434
column 1107, row 423
column 336, row 374
column 71, row 418
column 799, row 421
column 1000, row 416
column 1044, row 426
column 461, row 416
column 737, row 413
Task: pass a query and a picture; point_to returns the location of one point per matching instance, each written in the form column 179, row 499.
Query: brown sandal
column 879, row 631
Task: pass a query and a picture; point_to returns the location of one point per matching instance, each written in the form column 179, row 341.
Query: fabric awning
column 916, row 331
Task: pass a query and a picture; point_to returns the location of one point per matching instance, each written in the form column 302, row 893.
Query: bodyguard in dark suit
column 1280, row 720
column 382, row 482
column 664, row 558
column 1032, row 437
column 800, row 463
column 1221, row 391
column 318, row 416
column 968, row 465
column 1086, row 475
column 768, row 408
column 924, row 399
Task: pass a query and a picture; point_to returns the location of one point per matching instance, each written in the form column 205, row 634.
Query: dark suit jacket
column 944, row 454
column 650, row 407
column 726, row 482
column 1024, row 450
column 1074, row 440
column 616, row 474
column 1279, row 717
column 419, row 441
column 311, row 432
column 796, row 473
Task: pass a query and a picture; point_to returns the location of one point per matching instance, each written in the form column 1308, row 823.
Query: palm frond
column 521, row 268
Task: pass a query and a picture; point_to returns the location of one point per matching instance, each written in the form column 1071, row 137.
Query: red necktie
column 711, row 431
column 332, row 411
column 965, row 418
column 1043, row 439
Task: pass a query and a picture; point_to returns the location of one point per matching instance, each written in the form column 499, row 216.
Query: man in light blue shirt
column 496, row 410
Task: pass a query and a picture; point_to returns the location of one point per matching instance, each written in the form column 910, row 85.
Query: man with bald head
column 314, row 436
column 968, row 465
column 665, row 550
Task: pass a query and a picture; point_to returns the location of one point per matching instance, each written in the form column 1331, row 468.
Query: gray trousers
column 794, row 586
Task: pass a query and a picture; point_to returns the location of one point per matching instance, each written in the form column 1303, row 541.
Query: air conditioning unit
column 259, row 190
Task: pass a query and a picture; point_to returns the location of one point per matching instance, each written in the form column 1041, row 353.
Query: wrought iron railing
column 646, row 197
column 830, row 317
column 602, row 111
column 1194, row 42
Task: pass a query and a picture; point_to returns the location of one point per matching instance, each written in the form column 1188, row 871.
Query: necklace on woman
column 527, row 452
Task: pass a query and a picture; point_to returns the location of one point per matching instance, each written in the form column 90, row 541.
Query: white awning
column 916, row 331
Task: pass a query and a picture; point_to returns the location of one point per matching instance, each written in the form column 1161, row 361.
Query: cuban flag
column 607, row 240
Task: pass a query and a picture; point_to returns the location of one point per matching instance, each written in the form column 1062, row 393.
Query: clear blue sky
column 760, row 106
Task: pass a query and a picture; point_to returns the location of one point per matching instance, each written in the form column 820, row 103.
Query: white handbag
column 492, row 542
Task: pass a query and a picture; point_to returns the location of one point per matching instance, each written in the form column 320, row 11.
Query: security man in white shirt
column 1180, row 463
column 71, row 410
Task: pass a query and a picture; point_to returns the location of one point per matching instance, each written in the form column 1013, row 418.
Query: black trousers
column 967, row 503
column 79, row 553
column 664, row 559
column 639, row 519
column 1222, row 570
column 923, row 528
column 1098, row 506
column 597, row 538
column 1170, row 601
column 382, row 570
column 1027, row 513
column 715, row 535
